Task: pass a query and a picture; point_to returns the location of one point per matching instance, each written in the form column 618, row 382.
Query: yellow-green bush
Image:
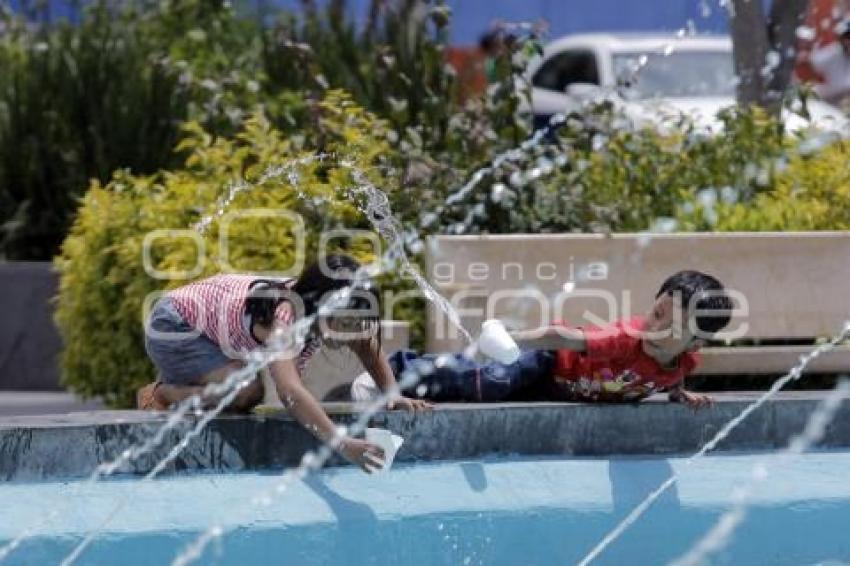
column 104, row 283
column 601, row 174
column 812, row 192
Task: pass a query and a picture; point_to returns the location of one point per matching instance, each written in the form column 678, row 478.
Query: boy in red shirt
column 622, row 362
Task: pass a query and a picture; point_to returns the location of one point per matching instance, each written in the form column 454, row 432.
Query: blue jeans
column 458, row 378
column 180, row 353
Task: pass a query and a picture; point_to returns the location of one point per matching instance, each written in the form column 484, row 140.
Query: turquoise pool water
column 506, row 511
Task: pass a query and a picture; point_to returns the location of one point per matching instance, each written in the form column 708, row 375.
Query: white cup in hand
column 496, row 343
column 389, row 442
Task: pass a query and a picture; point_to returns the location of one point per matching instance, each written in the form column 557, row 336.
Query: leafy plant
column 601, row 174
column 134, row 236
column 811, row 192
column 80, row 100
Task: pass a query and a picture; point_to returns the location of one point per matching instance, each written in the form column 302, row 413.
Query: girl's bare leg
column 248, row 397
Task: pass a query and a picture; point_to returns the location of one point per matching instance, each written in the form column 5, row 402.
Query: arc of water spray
column 230, row 387
column 236, row 380
column 720, row 534
column 377, row 210
column 379, row 213
column 175, row 419
column 556, row 121
column 108, row 468
column 173, row 453
column 386, row 226
column 311, row 461
column 241, row 185
column 642, row 507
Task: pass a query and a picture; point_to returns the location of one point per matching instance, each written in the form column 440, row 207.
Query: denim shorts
column 180, row 353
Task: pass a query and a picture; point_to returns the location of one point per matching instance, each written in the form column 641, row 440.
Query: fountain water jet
column 311, row 461
column 288, row 168
column 379, row 213
column 229, row 388
column 718, row 536
column 642, row 507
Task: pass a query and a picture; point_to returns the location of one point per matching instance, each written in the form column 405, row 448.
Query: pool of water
column 504, row 511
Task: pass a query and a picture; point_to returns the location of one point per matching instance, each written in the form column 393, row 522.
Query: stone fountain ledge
column 72, row 445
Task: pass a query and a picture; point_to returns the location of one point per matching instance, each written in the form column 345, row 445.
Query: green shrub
column 395, row 66
column 812, row 192
column 78, row 101
column 104, row 283
column 75, row 104
column 600, row 175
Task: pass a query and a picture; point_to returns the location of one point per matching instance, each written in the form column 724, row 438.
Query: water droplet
column 813, row 145
column 429, row 219
column 728, row 195
column 599, row 142
column 516, row 179
column 498, row 192
column 707, row 197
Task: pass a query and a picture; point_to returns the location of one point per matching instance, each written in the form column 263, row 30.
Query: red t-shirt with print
column 614, row 366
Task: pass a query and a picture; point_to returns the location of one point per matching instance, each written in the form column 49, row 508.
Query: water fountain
column 644, row 505
column 719, row 535
column 376, row 209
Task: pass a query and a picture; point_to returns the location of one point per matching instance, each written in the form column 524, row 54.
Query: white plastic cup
column 496, row 343
column 389, row 442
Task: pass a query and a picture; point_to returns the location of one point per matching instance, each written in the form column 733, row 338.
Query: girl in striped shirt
column 202, row 332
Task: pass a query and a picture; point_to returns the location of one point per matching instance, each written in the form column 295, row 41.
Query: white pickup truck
column 652, row 78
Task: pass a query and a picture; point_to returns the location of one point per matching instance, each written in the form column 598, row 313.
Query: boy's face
column 667, row 333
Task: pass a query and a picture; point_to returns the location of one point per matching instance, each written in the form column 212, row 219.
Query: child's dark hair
column 317, row 282
column 702, row 292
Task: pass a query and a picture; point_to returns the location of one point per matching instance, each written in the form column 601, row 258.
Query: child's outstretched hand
column 407, row 404
column 695, row 401
column 364, row 454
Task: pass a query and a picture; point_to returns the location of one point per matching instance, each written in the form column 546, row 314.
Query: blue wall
column 473, row 17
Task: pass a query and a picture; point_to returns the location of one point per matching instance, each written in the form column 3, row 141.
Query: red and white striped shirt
column 216, row 307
